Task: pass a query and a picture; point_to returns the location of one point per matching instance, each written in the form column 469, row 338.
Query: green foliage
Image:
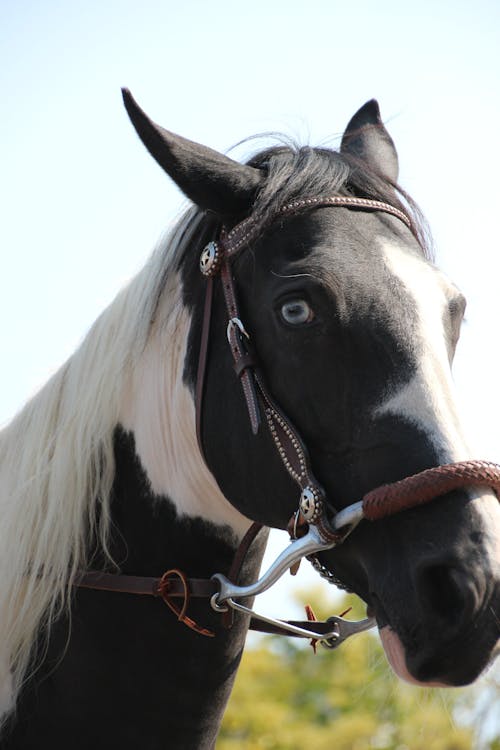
column 286, row 698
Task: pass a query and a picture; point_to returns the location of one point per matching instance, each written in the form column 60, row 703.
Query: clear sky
column 82, row 203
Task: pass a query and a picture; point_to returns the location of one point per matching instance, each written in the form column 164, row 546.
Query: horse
column 143, row 458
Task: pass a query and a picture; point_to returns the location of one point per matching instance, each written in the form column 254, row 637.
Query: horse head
column 355, row 331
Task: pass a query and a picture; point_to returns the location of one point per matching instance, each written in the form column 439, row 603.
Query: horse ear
column 367, row 138
column 211, row 180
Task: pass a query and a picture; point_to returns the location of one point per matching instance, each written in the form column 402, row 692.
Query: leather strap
column 202, row 361
column 250, row 228
column 174, row 585
column 236, row 335
column 289, row 444
column 171, row 585
column 164, row 589
column 242, row 551
column 237, row 565
column 199, row 588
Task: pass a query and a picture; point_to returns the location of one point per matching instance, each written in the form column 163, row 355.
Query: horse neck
column 194, row 674
column 134, row 660
column 166, row 511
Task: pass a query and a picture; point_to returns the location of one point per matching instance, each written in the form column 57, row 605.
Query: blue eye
column 296, row 312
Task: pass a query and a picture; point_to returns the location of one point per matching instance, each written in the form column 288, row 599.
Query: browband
column 249, row 228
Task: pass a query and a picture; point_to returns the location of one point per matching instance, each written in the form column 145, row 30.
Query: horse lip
column 418, row 665
column 397, row 657
column 395, row 650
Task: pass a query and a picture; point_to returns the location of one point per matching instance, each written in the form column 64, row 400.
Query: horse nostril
column 446, row 592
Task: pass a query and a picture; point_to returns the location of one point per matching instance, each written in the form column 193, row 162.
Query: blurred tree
column 285, row 698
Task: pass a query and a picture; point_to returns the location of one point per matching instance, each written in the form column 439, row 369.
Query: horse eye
column 296, row 312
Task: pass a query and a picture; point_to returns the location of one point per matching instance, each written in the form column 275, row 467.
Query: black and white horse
column 355, row 331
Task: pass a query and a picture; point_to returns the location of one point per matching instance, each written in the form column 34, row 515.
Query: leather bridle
column 316, row 525
column 216, row 260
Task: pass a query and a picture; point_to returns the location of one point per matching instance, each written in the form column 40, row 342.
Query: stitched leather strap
column 250, row 228
column 288, row 442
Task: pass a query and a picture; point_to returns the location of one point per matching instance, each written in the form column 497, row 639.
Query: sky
column 83, row 204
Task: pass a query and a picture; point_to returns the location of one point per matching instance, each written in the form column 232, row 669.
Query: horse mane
column 57, row 455
column 57, row 461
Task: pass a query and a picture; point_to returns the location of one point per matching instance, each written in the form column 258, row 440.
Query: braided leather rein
column 429, row 484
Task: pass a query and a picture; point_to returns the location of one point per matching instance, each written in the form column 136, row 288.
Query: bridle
column 316, row 526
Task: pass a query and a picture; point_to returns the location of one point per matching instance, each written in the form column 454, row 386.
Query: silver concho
column 310, row 503
column 210, row 259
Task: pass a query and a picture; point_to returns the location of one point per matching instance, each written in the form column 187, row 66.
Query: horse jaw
column 158, row 409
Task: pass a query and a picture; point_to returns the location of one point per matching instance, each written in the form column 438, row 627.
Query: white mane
column 57, row 463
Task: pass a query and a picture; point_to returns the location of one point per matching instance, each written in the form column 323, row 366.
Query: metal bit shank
column 307, row 545
column 345, row 628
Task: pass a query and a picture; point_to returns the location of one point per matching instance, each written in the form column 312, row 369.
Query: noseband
column 316, row 525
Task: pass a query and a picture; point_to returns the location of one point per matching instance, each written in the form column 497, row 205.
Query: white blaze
column 428, row 399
